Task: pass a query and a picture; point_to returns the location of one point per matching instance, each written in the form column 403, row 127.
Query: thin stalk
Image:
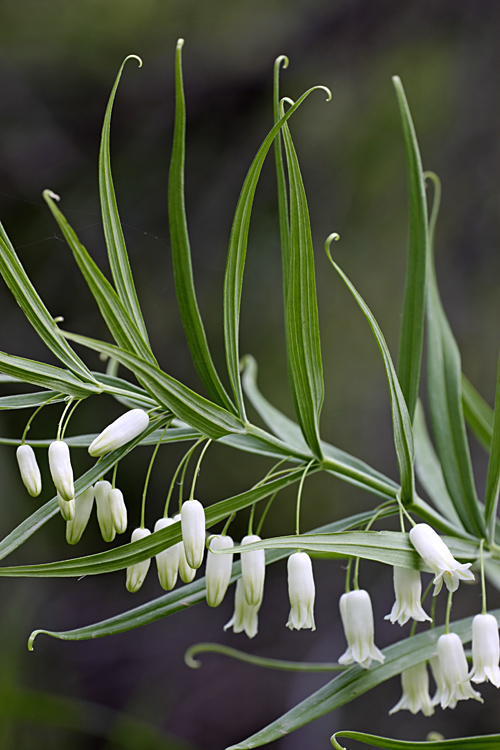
column 182, row 462
column 197, row 469
column 448, row 613
column 148, row 475
column 483, row 581
column 299, row 497
column 69, row 417
column 30, row 420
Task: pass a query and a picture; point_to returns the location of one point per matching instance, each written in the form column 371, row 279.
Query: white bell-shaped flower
column 357, row 618
column 28, row 467
column 167, row 561
column 485, row 650
column 408, row 590
column 103, row 506
column 438, row 557
column 66, row 507
column 454, row 672
column 186, row 572
column 415, row 686
column 118, row 510
column 301, row 592
column 137, row 573
column 253, row 570
column 118, row 433
column 218, row 570
column 193, row 532
column 83, row 508
column 60, row 469
column 245, row 616
column 437, row 673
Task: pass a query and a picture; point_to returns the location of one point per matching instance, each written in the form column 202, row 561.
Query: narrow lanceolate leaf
column 284, row 216
column 445, row 400
column 480, row 742
column 31, row 304
column 493, row 476
column 196, row 411
column 478, row 414
column 305, row 366
column 183, row 597
column 401, row 422
column 181, row 253
column 412, row 323
column 121, row 326
column 29, row 400
column 47, row 376
column 356, row 681
column 113, row 233
column 236, row 255
column 428, row 468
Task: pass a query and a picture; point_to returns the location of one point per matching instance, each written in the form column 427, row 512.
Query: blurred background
column 58, row 61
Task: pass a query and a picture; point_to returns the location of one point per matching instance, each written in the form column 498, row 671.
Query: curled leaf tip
column 282, row 60
column 133, row 57
column 180, row 43
column 396, row 79
column 331, row 237
column 189, row 657
column 50, row 194
column 32, row 638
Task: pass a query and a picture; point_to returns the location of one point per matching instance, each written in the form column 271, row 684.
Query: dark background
column 58, row 61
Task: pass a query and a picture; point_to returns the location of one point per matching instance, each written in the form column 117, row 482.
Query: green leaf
column 31, row 304
column 47, row 376
column 203, row 415
column 29, row 400
column 113, row 233
column 401, row 423
column 181, row 253
column 483, row 742
column 301, row 310
column 233, row 279
column 177, row 600
column 356, row 681
column 412, row 323
column 478, row 414
column 445, row 399
column 493, row 476
column 284, row 214
column 121, row 326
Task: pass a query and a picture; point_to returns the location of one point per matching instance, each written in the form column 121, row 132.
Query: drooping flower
column 245, row 616
column 193, row 532
column 438, row 557
column 437, row 673
column 357, row 618
column 454, row 672
column 253, row 570
column 186, row 572
column 118, row 510
column 485, row 650
column 408, row 590
column 104, row 516
column 301, row 592
column 167, row 561
column 218, row 570
column 137, row 573
column 60, row 469
column 118, row 433
column 66, row 507
column 83, row 508
column 415, row 686
column 28, row 467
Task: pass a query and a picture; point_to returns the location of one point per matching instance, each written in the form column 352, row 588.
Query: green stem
column 348, row 576
column 113, row 479
column 356, row 574
column 59, row 426
column 250, row 520
column 181, row 463
column 299, row 496
column 30, row 420
column 69, row 417
column 483, row 581
column 448, row 613
column 228, row 522
column 148, row 475
column 259, row 661
column 266, row 511
column 197, row 469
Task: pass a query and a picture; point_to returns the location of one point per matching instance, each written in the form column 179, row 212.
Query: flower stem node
column 28, row 467
column 60, row 469
column 193, row 532
column 415, row 686
column 137, row 573
column 218, row 570
column 408, row 590
column 118, row 433
column 67, row 508
column 453, row 681
column 103, row 506
column 83, row 508
column 253, row 570
column 438, row 557
column 245, row 616
column 301, row 592
column 118, row 510
column 357, row 618
column 485, row 650
column 167, row 562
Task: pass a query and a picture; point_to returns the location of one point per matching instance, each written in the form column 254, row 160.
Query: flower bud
column 253, row 570
column 485, row 650
column 301, row 592
column 357, row 618
column 218, row 571
column 167, row 562
column 67, row 508
column 118, row 510
column 60, row 469
column 438, row 557
column 121, row 431
column 30, row 473
column 186, row 572
column 246, row 616
column 193, row 532
column 83, row 508
column 103, row 506
column 137, row 573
